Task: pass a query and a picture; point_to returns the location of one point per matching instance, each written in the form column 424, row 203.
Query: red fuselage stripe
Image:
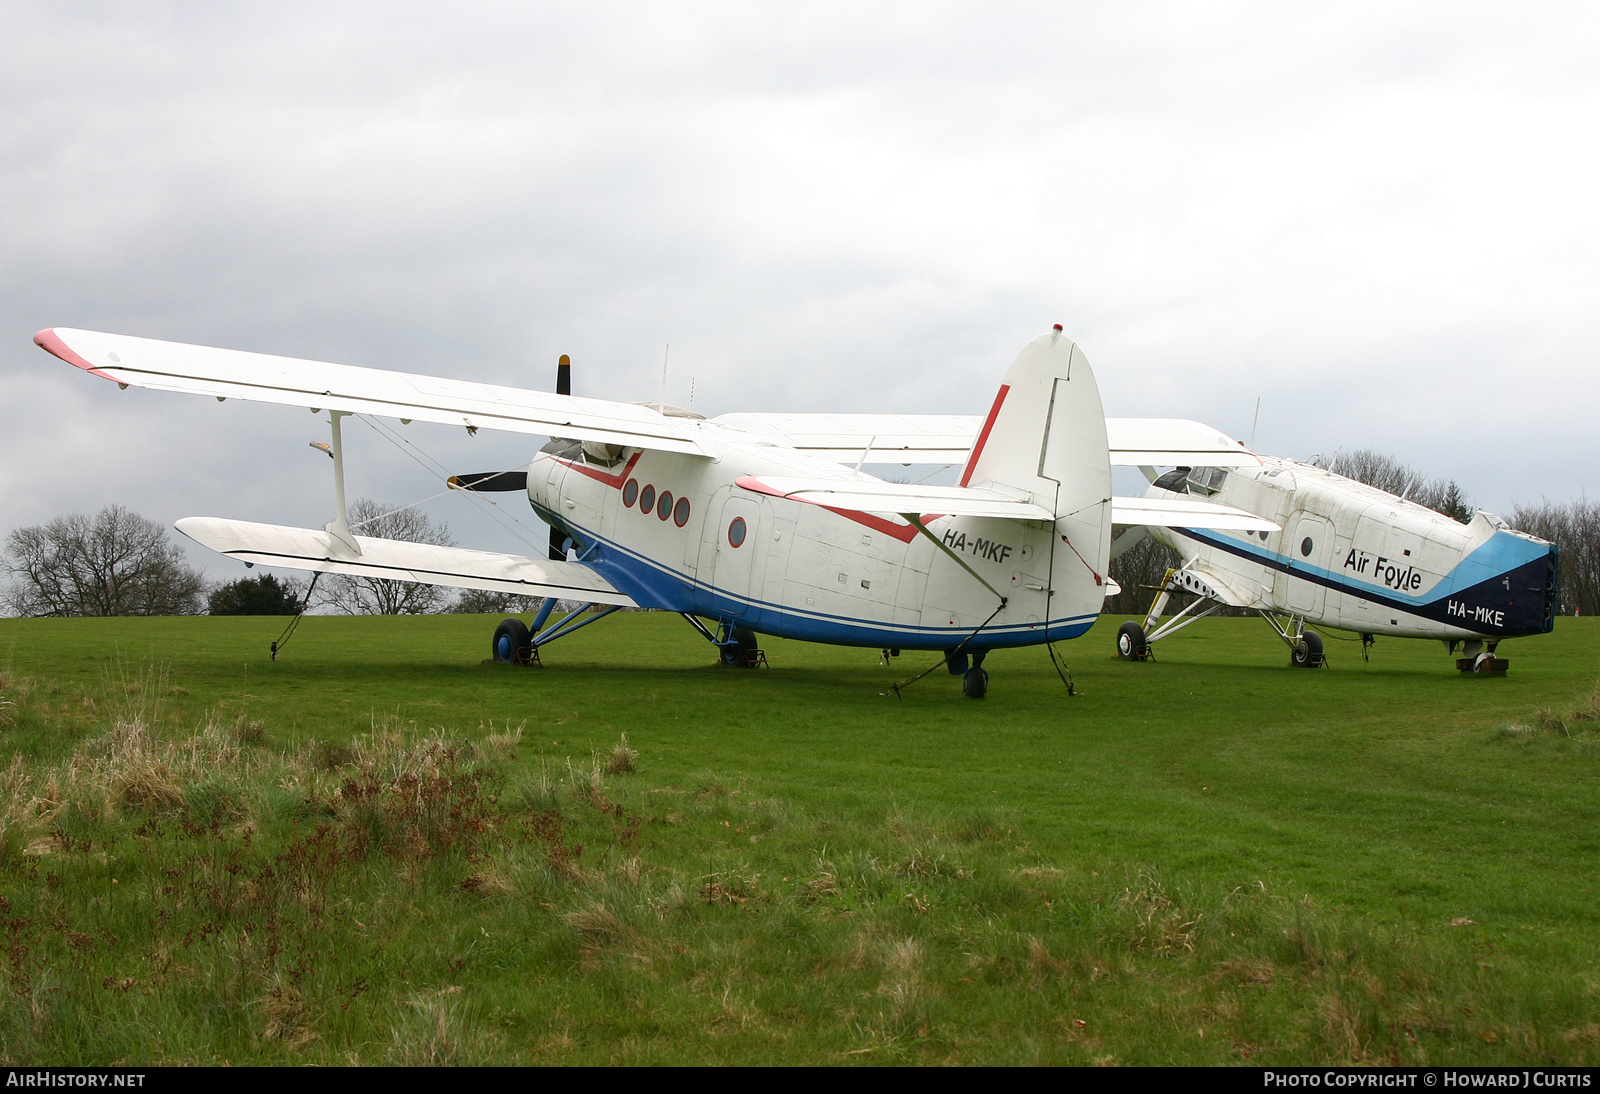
column 983, row 435
column 902, row 532
column 614, row 481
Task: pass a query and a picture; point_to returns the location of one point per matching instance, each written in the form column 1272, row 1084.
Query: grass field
column 380, row 850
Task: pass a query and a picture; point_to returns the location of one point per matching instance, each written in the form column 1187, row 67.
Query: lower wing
column 458, row 567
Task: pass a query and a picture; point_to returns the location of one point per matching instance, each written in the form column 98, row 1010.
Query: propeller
column 558, row 539
column 490, row 481
column 498, row 481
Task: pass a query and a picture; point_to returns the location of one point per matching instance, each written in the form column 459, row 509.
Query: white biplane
column 1349, row 557
column 746, row 524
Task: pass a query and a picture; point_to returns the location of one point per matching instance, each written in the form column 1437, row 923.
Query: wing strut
column 339, row 529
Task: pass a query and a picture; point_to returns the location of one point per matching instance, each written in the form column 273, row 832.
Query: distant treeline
column 1575, row 528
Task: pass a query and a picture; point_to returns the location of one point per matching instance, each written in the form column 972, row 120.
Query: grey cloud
column 1375, row 218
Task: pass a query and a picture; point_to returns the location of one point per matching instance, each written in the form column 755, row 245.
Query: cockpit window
column 1205, row 481
column 567, row 450
column 1173, row 480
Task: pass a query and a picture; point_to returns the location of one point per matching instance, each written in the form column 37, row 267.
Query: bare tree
column 1138, row 570
column 491, row 602
column 1575, row 529
column 119, row 563
column 380, row 595
column 1388, row 474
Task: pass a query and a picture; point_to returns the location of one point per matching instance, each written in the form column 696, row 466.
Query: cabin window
column 647, row 499
column 630, row 493
column 1206, row 481
column 664, row 507
column 736, row 532
column 1306, row 547
column 680, row 512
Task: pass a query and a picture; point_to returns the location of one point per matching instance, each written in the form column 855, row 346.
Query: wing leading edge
column 947, row 438
column 320, row 385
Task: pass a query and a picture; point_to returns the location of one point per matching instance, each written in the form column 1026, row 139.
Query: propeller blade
column 490, row 481
column 564, row 375
column 558, row 545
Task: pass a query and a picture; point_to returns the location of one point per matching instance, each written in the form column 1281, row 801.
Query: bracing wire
column 897, row 688
column 428, row 463
column 1061, row 669
column 294, row 624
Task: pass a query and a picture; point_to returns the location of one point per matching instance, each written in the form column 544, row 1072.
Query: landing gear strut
column 515, row 643
column 1134, row 641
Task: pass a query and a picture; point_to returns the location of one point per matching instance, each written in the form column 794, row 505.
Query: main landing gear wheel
column 1131, row 643
column 975, row 683
column 737, row 653
column 1306, row 653
column 511, row 642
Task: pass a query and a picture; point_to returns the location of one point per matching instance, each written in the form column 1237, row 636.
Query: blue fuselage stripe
column 652, row 584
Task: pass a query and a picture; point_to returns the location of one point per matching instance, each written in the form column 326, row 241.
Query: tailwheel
column 975, row 683
column 1483, row 664
column 1131, row 643
column 512, row 643
column 1306, row 653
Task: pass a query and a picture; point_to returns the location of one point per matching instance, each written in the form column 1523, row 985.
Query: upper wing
column 947, row 438
column 1171, row 442
column 310, row 549
column 872, row 438
column 235, row 374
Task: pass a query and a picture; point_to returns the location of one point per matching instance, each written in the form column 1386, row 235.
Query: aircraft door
column 1308, row 549
column 734, row 572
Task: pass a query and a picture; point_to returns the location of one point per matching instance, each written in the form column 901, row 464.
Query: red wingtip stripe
column 49, row 341
column 983, row 434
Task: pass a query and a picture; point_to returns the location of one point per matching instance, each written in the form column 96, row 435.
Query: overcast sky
column 1380, row 219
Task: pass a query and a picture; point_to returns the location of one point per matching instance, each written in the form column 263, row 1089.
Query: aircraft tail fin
column 1045, row 433
column 1045, row 436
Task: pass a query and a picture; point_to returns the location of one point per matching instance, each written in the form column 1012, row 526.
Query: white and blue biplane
column 1349, row 557
column 747, row 524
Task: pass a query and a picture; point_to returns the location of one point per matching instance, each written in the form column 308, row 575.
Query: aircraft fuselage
column 1357, row 558
column 782, row 567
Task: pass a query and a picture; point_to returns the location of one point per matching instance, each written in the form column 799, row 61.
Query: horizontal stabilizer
column 947, row 438
column 235, row 374
column 874, row 496
column 1165, row 513
column 309, row 549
